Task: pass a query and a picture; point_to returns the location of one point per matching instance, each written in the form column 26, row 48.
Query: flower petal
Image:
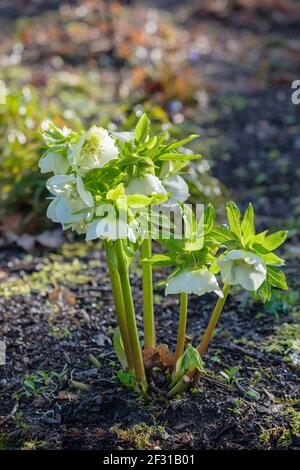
column 243, row 268
column 107, row 228
column 124, row 136
column 57, row 184
column 83, row 193
column 55, row 163
column 197, row 281
column 147, row 185
column 58, row 210
column 176, row 185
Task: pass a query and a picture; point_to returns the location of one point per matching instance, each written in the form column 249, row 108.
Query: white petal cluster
column 179, row 189
column 54, row 162
column 94, row 150
column 146, row 185
column 195, row 281
column 243, row 268
column 110, row 228
column 73, row 206
column 72, row 203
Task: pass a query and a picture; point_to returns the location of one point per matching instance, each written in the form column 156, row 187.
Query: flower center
column 243, row 263
column 91, row 148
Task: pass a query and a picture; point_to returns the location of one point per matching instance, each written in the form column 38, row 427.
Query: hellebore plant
column 126, row 188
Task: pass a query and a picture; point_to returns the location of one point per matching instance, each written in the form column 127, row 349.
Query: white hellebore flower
column 179, row 189
column 54, row 162
column 94, row 149
column 243, row 268
column 111, row 228
column 195, row 281
column 70, row 198
column 146, row 185
column 123, row 136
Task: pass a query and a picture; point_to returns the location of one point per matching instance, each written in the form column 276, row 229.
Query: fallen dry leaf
column 158, row 357
column 68, row 396
column 62, row 295
column 3, row 275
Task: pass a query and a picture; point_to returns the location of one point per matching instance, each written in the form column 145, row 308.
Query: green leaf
column 222, row 234
column 119, row 348
column 142, row 128
column 126, row 378
column 209, row 217
column 276, row 278
column 138, row 200
column 180, row 143
column 234, row 217
column 190, row 360
column 159, row 198
column 160, row 260
column 272, row 259
column 247, row 226
column 194, row 245
column 151, row 143
column 273, row 241
column 257, row 239
column 30, row 384
column 116, row 193
column 173, row 156
column 264, row 292
column 174, row 245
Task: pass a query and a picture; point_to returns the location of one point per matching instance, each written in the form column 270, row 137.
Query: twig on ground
column 10, row 415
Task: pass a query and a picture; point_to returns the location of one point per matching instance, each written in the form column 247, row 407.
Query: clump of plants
column 128, row 189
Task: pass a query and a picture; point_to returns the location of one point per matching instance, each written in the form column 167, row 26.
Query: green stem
column 213, row 321
column 120, row 309
column 130, row 315
column 181, row 326
column 149, row 322
column 181, row 385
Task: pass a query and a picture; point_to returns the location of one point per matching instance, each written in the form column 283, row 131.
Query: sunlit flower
column 124, row 136
column 179, row 189
column 243, row 268
column 55, row 163
column 110, row 227
column 94, row 149
column 146, row 185
column 194, row 281
column 166, row 168
column 72, row 202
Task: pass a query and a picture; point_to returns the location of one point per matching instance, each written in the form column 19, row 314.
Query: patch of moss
column 293, row 418
column 284, row 433
column 140, row 436
column 79, row 249
column 3, row 441
column 50, row 274
column 33, row 445
column 285, row 341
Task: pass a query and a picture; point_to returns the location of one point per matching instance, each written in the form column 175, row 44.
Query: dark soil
column 53, row 323
column 56, row 330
